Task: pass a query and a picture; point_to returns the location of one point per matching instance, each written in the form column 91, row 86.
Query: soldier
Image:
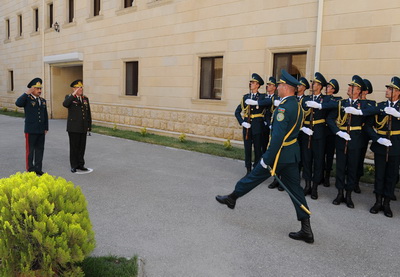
column 360, row 170
column 36, row 125
column 253, row 123
column 313, row 138
column 347, row 122
column 78, row 124
column 331, row 89
column 301, row 89
column 283, row 155
column 386, row 147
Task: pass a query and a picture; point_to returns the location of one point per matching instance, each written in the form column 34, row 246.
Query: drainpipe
column 319, row 35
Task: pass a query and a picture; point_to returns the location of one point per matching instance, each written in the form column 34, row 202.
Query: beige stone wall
column 168, row 38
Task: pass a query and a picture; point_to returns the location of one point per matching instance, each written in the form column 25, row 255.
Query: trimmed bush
column 45, row 228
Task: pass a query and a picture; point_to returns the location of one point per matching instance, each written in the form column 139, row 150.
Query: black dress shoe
column 314, row 191
column 386, row 207
column 73, row 170
column 305, row 234
column 82, row 168
column 39, row 172
column 339, row 198
column 280, row 188
column 227, row 200
column 274, row 184
column 357, row 189
column 349, row 202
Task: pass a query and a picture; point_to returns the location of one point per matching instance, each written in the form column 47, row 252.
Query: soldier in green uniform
column 386, row 146
column 366, row 138
column 300, row 94
column 331, row 89
column 313, row 138
column 36, row 125
column 282, row 155
column 79, row 122
column 252, row 123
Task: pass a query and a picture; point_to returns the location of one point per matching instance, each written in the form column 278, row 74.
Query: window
column 128, row 3
column 96, row 7
column 19, row 25
column 7, row 29
column 11, row 80
column 36, row 20
column 293, row 63
column 211, row 78
column 71, row 11
column 51, row 15
column 132, row 78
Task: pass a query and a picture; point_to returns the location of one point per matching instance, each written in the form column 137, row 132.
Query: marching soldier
column 79, row 122
column 313, row 138
column 253, row 121
column 282, row 155
column 365, row 136
column 331, row 89
column 386, row 147
column 36, row 125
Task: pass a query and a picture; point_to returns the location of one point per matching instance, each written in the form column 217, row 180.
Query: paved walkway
column 159, row 203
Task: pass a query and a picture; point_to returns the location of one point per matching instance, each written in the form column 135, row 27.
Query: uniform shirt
column 36, row 116
column 315, row 118
column 79, row 115
column 257, row 124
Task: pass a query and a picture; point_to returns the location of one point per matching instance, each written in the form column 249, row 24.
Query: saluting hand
column 30, row 90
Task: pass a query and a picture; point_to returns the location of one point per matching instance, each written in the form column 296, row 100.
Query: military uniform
column 313, row 146
column 283, row 155
column 300, row 98
column 79, row 122
column 330, row 137
column 347, row 151
column 386, row 158
column 269, row 110
column 36, row 126
column 254, row 115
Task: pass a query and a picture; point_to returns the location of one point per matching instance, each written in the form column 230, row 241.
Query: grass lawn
column 110, row 266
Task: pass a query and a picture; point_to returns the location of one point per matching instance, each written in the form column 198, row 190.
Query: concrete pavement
column 159, row 203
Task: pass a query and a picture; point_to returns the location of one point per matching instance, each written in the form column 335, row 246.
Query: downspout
column 319, row 35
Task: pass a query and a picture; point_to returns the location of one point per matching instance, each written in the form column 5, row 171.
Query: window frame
column 288, row 67
column 134, row 86
column 96, row 8
column 8, row 29
column 70, row 11
column 35, row 19
column 50, row 13
column 19, row 24
column 11, row 80
column 212, row 92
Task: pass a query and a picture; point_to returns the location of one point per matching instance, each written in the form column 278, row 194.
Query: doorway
column 61, row 78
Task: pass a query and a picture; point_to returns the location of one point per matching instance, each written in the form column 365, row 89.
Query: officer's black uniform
column 36, row 124
column 255, row 116
column 79, row 122
column 313, row 147
column 347, row 152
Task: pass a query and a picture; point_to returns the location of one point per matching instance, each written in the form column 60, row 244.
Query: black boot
column 229, row 200
column 305, row 233
column 314, row 191
column 274, row 184
column 248, row 170
column 349, row 202
column 357, row 188
column 326, row 178
column 339, row 198
column 377, row 206
column 307, row 188
column 386, row 207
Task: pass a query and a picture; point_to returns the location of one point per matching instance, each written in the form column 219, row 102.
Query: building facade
column 181, row 66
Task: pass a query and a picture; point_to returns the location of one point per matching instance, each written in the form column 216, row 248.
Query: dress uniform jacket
column 79, row 116
column 36, row 117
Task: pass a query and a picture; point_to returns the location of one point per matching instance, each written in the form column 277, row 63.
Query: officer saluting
column 78, row 124
column 36, row 125
column 282, row 155
column 253, row 123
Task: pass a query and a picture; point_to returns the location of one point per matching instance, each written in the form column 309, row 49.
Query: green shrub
column 143, row 131
column 45, row 228
column 228, row 144
column 182, row 137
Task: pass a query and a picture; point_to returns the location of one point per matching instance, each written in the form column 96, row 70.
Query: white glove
column 384, row 142
column 307, row 131
column 277, row 102
column 343, row 135
column 246, row 125
column 353, row 110
column 265, row 123
column 251, row 102
column 313, row 104
column 392, row 111
column 263, row 164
